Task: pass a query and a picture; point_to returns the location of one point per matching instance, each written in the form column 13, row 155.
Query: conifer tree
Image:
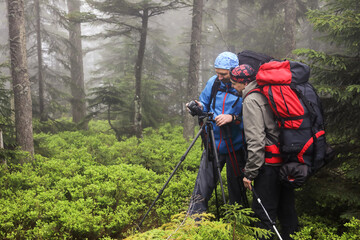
column 76, row 65
column 43, row 115
column 121, row 13
column 20, row 77
column 336, row 74
column 48, row 51
column 194, row 64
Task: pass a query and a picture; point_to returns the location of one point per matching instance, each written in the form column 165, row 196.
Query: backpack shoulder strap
column 255, row 90
column 214, row 89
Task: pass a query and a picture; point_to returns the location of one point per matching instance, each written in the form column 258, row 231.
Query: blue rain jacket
column 223, row 105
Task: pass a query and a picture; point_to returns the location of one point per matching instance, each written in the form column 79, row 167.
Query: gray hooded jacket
column 259, row 122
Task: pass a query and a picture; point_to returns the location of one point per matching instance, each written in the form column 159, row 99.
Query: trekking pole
column 172, row 174
column 235, row 166
column 267, row 215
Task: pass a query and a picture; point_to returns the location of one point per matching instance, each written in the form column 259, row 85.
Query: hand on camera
column 195, row 108
column 197, row 102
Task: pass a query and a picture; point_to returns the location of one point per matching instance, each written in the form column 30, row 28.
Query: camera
column 195, row 109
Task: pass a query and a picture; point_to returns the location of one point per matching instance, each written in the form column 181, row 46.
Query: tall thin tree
column 138, row 71
column 43, row 116
column 143, row 10
column 20, row 77
column 231, row 21
column 290, row 26
column 194, row 64
column 76, row 65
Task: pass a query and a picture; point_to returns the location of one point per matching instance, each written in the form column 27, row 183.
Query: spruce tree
column 336, row 75
column 127, row 18
column 48, row 57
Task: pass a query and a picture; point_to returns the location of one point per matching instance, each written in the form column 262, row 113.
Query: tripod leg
column 172, row 174
column 216, row 197
column 217, row 162
column 214, row 178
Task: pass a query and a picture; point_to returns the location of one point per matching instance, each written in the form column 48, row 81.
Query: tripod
column 208, row 124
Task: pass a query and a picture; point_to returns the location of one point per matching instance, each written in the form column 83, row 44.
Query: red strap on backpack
column 272, row 154
column 300, row 156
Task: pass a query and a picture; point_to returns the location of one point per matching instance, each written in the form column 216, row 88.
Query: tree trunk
column 231, row 14
column 290, row 26
column 43, row 116
column 194, row 66
column 20, row 77
column 311, row 33
column 138, row 70
column 1, row 139
column 2, row 160
column 76, row 66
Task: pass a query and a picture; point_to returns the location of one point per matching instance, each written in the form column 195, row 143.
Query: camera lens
column 195, row 109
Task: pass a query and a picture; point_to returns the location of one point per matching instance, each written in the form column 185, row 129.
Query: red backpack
column 299, row 115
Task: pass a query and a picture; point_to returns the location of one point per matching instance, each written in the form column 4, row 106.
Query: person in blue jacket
column 226, row 106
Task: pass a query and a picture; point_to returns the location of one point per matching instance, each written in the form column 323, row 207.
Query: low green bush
column 73, row 199
column 159, row 150
column 235, row 225
column 86, row 184
column 54, row 126
column 320, row 229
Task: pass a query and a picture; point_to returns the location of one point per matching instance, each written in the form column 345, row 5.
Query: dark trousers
column 278, row 200
column 207, row 179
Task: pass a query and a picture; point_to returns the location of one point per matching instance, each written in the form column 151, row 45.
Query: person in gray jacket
column 264, row 160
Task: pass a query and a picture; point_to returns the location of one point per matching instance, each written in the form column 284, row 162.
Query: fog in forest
column 112, row 49
column 93, row 116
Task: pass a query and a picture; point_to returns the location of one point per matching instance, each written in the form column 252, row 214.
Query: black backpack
column 298, row 112
column 254, row 59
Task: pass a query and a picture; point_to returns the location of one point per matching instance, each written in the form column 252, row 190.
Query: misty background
column 93, row 118
column 110, row 43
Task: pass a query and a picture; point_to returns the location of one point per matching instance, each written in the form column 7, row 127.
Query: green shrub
column 321, row 229
column 242, row 220
column 54, row 126
column 89, row 202
column 159, row 150
column 235, row 225
column 86, row 184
